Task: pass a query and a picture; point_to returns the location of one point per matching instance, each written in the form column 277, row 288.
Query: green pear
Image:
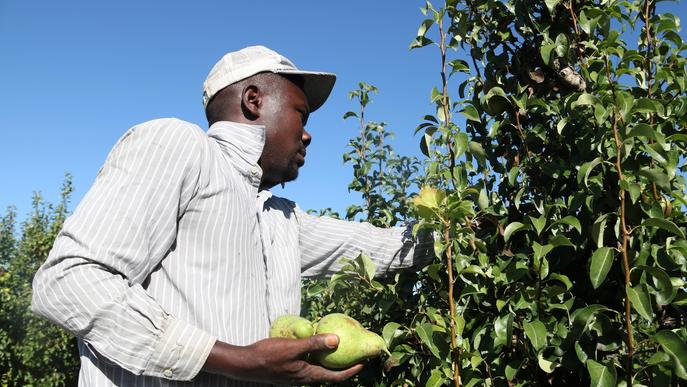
column 355, row 342
column 291, row 327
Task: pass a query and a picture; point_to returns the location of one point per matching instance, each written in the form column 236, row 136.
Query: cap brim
column 316, row 85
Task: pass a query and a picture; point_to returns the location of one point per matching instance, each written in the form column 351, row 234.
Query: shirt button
column 168, row 373
column 253, row 171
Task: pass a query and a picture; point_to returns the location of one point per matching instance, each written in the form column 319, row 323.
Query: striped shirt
column 175, row 247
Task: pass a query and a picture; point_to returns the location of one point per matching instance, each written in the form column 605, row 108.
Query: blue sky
column 76, row 75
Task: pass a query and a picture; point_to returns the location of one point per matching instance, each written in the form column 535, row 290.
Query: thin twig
column 452, row 306
column 626, row 234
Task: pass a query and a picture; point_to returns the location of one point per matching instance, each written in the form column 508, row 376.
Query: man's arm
column 276, row 361
column 324, row 240
column 121, row 230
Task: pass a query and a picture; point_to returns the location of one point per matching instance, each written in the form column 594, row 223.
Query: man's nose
column 306, row 138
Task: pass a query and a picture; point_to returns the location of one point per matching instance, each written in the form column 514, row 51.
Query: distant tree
column 33, row 352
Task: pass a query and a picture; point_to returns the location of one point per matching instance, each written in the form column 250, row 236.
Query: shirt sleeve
column 92, row 283
column 323, row 240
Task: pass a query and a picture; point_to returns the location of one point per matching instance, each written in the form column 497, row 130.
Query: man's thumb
column 323, row 342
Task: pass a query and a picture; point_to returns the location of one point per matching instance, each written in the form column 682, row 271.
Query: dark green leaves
column 665, row 292
column 470, row 112
column 426, row 334
column 665, row 225
column 601, row 375
column 639, row 297
column 536, row 332
column 530, row 176
column 676, row 349
column 512, row 228
column 602, row 260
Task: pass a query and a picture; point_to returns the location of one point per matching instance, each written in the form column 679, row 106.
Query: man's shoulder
column 165, row 132
column 171, row 127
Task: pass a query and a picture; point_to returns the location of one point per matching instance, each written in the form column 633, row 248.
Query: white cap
column 239, row 65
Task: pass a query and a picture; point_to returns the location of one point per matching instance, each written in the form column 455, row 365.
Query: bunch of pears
column 355, row 342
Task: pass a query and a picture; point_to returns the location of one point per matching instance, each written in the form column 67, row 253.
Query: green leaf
column 665, row 225
column 584, row 23
column 584, row 99
column 460, row 324
column 562, row 45
column 513, row 175
column 367, row 265
column 462, row 142
column 512, row 369
column 582, row 317
column 656, row 176
column 426, row 335
column 350, row 114
column 476, row 149
column 561, row 124
column 435, row 94
column 586, row 169
column 545, row 52
column 436, row 379
column 541, row 251
column 564, row 279
column 601, row 375
column 538, row 223
column 598, row 229
column 561, row 240
column 642, row 130
column 665, row 290
column 600, row 114
column 676, row 349
column 503, row 328
column 536, row 332
column 512, row 228
column 419, row 41
column 390, row 332
column 602, row 260
column 541, row 266
column 551, row 4
column 639, row 297
column 658, row 358
column 546, row 365
column 569, row 220
column 425, row 141
column 646, row 105
column 422, row 30
column 459, row 65
column 470, row 112
column 635, row 192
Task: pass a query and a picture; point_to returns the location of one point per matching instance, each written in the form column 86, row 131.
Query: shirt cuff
column 180, row 352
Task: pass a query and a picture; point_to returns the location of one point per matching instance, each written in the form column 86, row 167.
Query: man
column 178, row 258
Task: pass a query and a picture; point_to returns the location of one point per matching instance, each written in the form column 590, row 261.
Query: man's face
column 284, row 114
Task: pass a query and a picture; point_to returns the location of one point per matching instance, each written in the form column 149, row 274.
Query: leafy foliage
column 554, row 184
column 33, row 352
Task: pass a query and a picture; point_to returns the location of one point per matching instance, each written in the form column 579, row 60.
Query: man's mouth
column 301, row 153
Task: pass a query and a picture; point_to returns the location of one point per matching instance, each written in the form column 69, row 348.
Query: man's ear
column 251, row 102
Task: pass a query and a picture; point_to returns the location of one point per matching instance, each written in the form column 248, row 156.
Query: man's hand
column 276, row 361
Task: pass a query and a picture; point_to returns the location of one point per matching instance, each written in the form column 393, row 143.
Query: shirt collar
column 241, row 143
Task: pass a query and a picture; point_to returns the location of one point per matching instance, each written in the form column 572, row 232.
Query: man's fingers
column 347, row 373
column 321, row 374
